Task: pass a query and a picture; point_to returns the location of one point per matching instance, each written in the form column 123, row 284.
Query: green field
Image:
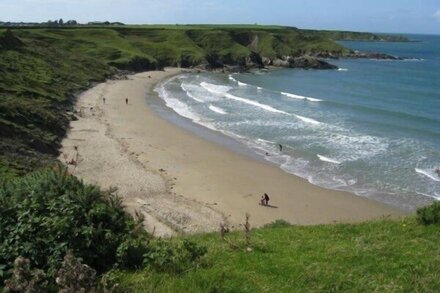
column 380, row 256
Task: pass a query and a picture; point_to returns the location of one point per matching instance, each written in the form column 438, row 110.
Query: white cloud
column 436, row 15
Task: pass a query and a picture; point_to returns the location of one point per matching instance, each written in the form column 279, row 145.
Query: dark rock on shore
column 309, row 62
column 371, row 55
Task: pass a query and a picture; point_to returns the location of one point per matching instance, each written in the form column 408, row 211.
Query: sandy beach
column 181, row 182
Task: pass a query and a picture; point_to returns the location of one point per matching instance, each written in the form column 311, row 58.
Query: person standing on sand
column 126, row 101
column 266, row 198
column 103, row 100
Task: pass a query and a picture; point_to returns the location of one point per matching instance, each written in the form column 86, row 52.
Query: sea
column 372, row 127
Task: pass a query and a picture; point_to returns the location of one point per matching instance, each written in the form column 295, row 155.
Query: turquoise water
column 372, row 127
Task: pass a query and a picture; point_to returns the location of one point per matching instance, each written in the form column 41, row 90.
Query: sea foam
column 428, row 174
column 217, row 110
column 298, row 97
column 329, row 160
column 214, row 88
column 308, row 120
column 256, row 104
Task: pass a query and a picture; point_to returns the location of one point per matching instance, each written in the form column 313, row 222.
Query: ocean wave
column 178, row 106
column 428, row 174
column 308, row 120
column 329, row 160
column 241, row 83
column 413, row 60
column 342, row 69
column 256, row 104
column 298, row 97
column 189, row 94
column 217, row 110
column 214, row 88
column 259, row 88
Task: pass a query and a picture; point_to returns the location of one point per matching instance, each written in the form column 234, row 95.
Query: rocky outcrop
column 309, row 62
column 371, row 55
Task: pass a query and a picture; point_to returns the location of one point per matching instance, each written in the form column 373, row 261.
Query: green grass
column 381, row 256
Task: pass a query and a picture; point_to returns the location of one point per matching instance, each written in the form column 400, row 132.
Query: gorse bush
column 46, row 213
column 430, row 214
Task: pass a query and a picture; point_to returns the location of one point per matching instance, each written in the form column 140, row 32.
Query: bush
column 174, row 257
column 46, row 213
column 130, row 253
column 430, row 214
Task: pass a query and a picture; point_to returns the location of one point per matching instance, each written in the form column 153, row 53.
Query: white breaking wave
column 259, row 88
column 214, row 88
column 342, row 69
column 217, row 110
column 428, row 174
column 189, row 94
column 307, row 120
column 241, row 83
column 329, row 160
column 254, row 103
column 179, row 107
column 300, row 97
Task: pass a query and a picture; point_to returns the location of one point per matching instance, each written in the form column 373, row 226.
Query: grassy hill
column 380, row 256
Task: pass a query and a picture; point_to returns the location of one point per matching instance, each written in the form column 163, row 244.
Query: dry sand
column 183, row 183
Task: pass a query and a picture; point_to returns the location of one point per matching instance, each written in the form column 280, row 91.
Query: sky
column 393, row 16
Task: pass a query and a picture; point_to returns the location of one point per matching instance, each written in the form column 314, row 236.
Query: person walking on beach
column 103, row 100
column 126, row 101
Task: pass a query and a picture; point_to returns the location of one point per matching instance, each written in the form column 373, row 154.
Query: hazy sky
column 412, row 16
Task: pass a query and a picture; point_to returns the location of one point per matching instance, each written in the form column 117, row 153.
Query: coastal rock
column 266, row 61
column 371, row 55
column 280, row 63
column 309, row 62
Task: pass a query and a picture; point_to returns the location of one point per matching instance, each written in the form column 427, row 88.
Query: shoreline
column 183, row 183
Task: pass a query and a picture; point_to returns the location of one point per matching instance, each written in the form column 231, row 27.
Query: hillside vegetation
column 379, row 256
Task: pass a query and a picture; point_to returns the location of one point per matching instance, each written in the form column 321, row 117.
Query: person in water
column 281, row 147
column 437, row 171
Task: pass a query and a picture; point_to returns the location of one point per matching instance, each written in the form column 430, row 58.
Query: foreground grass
column 381, row 256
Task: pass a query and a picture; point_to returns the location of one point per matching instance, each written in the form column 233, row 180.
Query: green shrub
column 174, row 257
column 46, row 213
column 130, row 253
column 430, row 214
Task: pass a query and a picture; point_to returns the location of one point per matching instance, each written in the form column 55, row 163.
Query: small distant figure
column 281, row 147
column 437, row 171
column 267, row 154
column 262, row 200
column 103, row 100
column 126, row 101
column 266, row 198
column 149, row 76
